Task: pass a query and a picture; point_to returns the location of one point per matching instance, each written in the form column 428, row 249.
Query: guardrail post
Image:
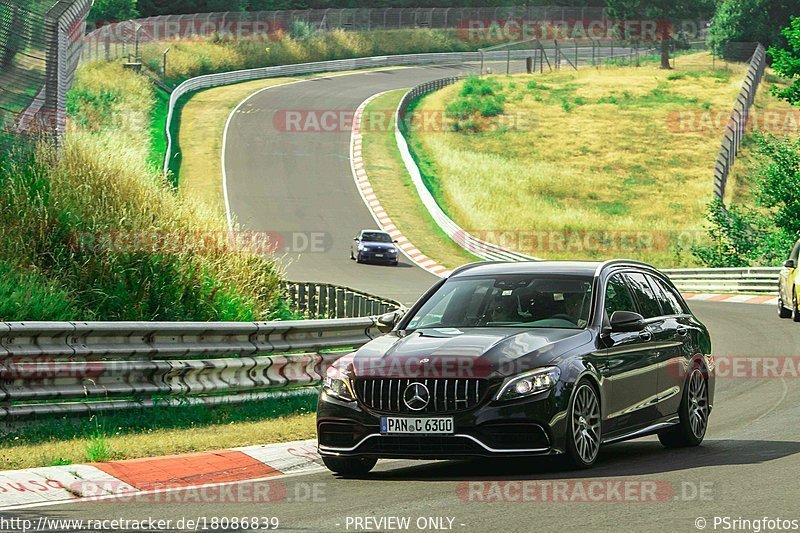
column 332, row 302
column 348, row 304
column 302, row 302
column 322, row 300
column 313, row 310
column 341, row 311
column 358, row 305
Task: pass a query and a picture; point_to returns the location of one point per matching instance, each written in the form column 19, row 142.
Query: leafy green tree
column 662, row 11
column 111, row 10
column 786, row 62
column 750, row 21
column 765, row 232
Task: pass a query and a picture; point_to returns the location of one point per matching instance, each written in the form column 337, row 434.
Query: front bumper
column 378, row 256
column 534, row 426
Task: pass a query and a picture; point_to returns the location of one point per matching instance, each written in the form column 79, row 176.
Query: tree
column 665, row 12
column 786, row 62
column 750, row 21
column 113, row 10
column 765, row 232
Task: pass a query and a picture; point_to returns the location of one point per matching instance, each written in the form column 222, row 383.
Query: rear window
column 376, row 237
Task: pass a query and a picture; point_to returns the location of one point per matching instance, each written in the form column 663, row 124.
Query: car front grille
column 385, row 395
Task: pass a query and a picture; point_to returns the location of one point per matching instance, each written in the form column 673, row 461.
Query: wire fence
column 118, row 39
column 737, row 125
column 40, row 46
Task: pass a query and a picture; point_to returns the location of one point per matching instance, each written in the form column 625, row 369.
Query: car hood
column 378, row 245
column 462, row 353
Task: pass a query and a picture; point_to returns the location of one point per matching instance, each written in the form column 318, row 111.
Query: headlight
column 392, row 250
column 362, row 248
column 529, row 383
column 338, row 388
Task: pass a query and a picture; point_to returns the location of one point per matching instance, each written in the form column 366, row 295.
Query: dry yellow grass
column 162, row 442
column 394, row 188
column 202, row 125
column 599, row 152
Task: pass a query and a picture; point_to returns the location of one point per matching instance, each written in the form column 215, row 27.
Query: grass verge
column 159, row 431
column 394, row 187
column 200, row 122
column 587, row 164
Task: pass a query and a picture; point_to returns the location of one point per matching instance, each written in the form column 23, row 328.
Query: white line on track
column 228, row 214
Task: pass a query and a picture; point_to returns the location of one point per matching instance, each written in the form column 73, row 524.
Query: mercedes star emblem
column 416, row 396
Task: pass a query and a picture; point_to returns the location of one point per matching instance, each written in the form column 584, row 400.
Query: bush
column 763, row 233
column 477, row 98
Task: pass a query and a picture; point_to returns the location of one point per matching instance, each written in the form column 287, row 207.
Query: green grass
column 593, row 152
column 60, row 222
column 393, row 186
column 157, row 431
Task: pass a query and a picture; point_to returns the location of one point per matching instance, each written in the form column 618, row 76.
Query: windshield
column 530, row 301
column 375, row 237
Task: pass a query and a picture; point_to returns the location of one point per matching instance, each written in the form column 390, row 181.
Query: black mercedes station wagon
column 520, row 359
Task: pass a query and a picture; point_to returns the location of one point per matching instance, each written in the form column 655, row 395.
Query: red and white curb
column 732, row 298
column 151, row 477
column 374, row 205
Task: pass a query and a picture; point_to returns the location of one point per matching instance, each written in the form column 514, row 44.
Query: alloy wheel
column 698, row 404
column 586, row 423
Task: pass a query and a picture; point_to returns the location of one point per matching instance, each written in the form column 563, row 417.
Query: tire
column 359, row 259
column 795, row 310
column 394, row 263
column 584, row 427
column 349, row 466
column 693, row 413
column 783, row 312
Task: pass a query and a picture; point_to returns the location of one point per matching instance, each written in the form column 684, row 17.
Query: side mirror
column 789, row 263
column 395, row 241
column 626, row 322
column 387, row 322
column 355, row 239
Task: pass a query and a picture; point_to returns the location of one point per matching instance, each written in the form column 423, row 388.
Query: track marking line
column 371, row 201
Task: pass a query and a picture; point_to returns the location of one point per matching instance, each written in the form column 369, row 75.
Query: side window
column 795, row 252
column 672, row 299
column 643, row 293
column 666, row 306
column 618, row 297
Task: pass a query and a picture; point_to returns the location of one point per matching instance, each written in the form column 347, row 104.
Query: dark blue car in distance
column 373, row 246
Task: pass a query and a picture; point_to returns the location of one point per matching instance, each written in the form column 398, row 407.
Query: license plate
column 378, row 255
column 413, row 426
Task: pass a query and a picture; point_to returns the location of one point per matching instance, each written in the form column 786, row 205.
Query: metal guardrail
column 755, row 279
column 480, row 248
column 228, row 78
column 40, row 46
column 323, row 300
column 78, row 368
column 737, row 125
column 474, row 245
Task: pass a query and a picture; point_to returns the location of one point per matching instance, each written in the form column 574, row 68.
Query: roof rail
column 469, row 266
column 623, row 262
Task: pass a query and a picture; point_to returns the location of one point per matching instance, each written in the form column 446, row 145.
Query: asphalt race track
column 300, row 184
column 747, row 467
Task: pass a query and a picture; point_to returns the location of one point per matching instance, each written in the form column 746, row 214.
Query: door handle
column 645, row 335
column 682, row 332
